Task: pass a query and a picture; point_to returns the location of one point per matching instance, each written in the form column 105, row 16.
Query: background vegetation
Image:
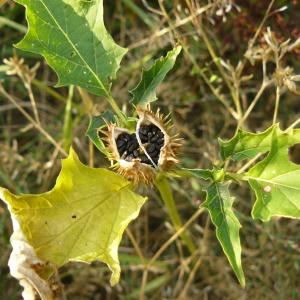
column 199, row 93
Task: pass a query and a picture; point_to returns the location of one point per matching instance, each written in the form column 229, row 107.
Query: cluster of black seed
column 152, row 139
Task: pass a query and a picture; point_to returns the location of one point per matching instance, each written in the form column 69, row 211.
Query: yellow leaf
column 81, row 219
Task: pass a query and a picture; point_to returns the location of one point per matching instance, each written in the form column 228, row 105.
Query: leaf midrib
column 273, row 182
column 75, row 49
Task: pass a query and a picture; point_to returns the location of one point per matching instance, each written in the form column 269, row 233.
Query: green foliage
column 96, row 124
column 71, row 35
column 276, row 180
column 145, row 91
column 245, row 145
column 219, row 204
column 84, row 216
column 81, row 219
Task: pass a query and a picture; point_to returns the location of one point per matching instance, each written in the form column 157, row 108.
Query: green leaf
column 204, row 174
column 276, row 180
column 81, row 219
column 219, row 204
column 246, row 145
column 97, row 123
column 145, row 91
column 71, row 35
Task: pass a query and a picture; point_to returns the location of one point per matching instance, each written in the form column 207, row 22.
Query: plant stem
column 165, row 191
column 116, row 108
column 253, row 103
column 67, row 130
column 140, row 13
column 276, row 104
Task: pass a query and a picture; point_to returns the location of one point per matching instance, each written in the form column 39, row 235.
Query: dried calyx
column 139, row 155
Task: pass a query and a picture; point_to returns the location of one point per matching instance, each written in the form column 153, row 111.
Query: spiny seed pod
column 139, row 155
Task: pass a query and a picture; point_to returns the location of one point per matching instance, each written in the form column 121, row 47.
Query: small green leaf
column 81, row 219
column 276, row 180
column 97, row 123
column 219, row 204
column 71, row 35
column 145, row 91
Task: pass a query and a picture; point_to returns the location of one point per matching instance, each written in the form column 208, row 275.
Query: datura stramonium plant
column 139, row 155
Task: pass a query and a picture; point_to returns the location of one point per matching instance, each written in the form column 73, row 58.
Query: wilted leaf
column 71, row 35
column 219, row 204
column 276, row 180
column 81, row 219
column 145, row 92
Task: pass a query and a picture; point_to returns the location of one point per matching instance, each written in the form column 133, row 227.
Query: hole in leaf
column 294, row 154
column 74, row 217
column 67, row 279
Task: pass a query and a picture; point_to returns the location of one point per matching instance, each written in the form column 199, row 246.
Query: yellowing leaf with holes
column 71, row 35
column 81, row 219
column 276, row 180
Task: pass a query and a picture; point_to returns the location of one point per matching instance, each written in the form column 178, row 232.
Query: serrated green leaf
column 145, row 91
column 96, row 123
column 276, row 180
column 71, row 35
column 245, row 145
column 219, row 204
column 81, row 219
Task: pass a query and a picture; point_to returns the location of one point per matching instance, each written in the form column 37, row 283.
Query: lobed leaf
column 219, row 204
column 276, row 180
column 145, row 92
column 246, row 145
column 81, row 219
column 71, row 35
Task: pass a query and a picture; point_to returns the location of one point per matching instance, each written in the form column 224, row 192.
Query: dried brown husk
column 135, row 170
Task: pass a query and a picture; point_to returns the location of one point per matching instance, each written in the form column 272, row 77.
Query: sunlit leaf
column 145, row 92
column 219, row 204
column 276, row 180
column 245, row 145
column 71, row 35
column 81, row 219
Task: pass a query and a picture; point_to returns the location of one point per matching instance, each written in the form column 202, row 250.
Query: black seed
column 144, row 138
column 124, row 136
column 160, row 141
column 149, row 134
column 160, row 134
column 145, row 159
column 158, row 147
column 154, row 139
column 154, row 129
column 120, row 143
column 154, row 153
column 122, row 149
column 143, row 130
column 150, row 148
column 135, row 153
column 155, row 160
column 133, row 146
